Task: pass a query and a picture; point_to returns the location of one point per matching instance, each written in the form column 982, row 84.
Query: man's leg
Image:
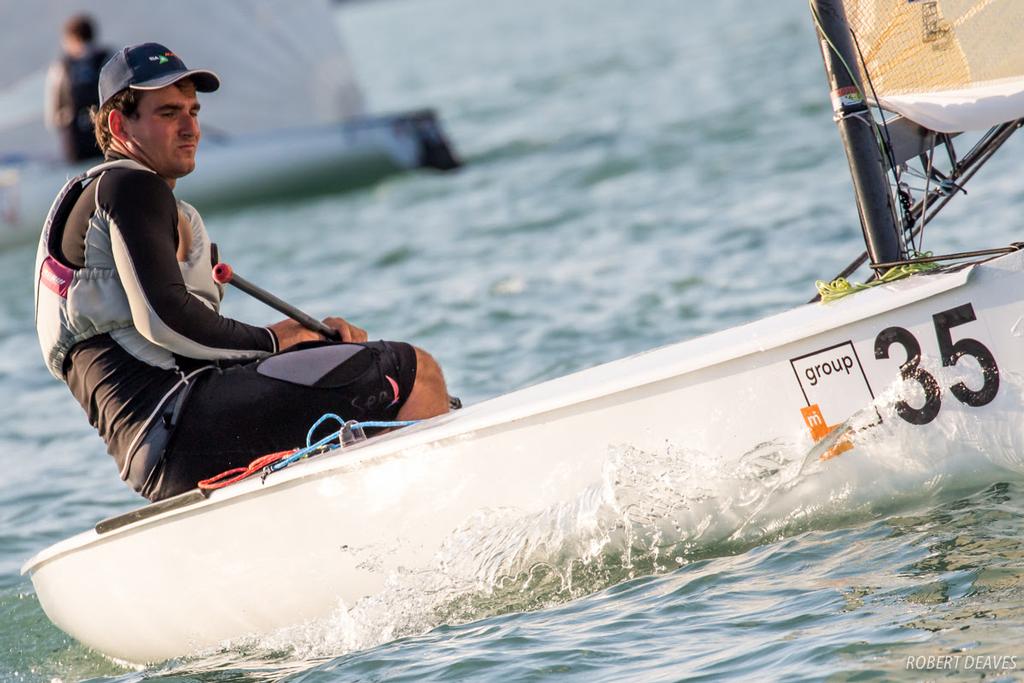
column 237, row 413
column 429, row 396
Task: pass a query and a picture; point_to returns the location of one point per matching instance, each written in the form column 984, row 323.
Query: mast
column 867, row 167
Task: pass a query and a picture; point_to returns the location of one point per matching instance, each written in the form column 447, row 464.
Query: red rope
column 239, row 473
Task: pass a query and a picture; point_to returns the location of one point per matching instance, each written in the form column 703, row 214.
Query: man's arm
column 143, row 229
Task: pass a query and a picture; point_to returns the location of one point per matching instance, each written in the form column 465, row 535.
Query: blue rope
column 375, row 425
column 303, row 452
column 334, row 436
column 323, row 418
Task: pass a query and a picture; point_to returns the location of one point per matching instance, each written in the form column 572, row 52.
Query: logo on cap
column 162, row 59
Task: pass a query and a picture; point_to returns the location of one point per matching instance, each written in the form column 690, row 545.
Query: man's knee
column 429, row 395
column 428, row 371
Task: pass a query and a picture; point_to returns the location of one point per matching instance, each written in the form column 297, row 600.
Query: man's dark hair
column 81, row 27
column 126, row 102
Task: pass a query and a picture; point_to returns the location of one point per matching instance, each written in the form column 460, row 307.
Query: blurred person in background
column 71, row 89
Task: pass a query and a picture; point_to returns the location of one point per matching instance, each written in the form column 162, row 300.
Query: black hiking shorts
column 233, row 415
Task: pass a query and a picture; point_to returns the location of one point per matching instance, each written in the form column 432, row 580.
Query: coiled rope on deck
column 841, row 287
column 272, row 462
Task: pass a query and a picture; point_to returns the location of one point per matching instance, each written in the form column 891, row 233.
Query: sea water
column 636, row 174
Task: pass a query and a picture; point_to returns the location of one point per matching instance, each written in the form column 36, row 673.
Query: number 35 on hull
column 838, row 380
column 950, row 353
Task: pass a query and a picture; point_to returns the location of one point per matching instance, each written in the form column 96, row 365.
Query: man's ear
column 115, row 122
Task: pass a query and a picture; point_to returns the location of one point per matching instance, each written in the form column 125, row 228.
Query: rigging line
column 947, row 142
column 997, row 135
column 968, row 170
column 879, row 138
column 844, row 273
column 972, row 162
column 835, row 51
column 897, row 270
column 982, row 143
column 913, row 172
column 859, row 261
column 979, row 155
column 904, row 219
column 927, row 190
column 934, row 258
column 887, row 147
column 863, row 117
column 849, row 70
column 962, row 170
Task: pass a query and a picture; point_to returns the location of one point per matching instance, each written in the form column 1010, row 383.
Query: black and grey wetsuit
column 174, row 388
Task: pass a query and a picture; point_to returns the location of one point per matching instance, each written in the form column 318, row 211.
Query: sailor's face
column 164, row 133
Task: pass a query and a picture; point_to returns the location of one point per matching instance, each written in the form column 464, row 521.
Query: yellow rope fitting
column 840, row 287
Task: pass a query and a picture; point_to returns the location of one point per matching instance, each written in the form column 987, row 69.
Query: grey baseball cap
column 149, row 66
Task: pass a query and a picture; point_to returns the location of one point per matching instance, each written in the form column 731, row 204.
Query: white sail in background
column 282, row 64
column 949, row 65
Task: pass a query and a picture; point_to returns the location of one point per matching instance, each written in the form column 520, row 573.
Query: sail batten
column 949, row 65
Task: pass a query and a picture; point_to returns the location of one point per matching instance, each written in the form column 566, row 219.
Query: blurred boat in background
column 288, row 121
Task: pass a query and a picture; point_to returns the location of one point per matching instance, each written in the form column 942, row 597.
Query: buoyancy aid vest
column 83, row 76
column 73, row 304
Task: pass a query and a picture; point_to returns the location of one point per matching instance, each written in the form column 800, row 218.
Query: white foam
column 655, row 511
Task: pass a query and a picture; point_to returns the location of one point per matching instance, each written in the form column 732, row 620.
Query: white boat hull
column 253, row 168
column 259, row 556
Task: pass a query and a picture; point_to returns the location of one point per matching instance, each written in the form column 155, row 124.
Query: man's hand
column 348, row 331
column 289, row 332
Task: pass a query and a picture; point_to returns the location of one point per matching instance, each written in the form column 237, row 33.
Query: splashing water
column 656, row 511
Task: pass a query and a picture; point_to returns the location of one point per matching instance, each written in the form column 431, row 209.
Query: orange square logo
column 820, row 429
column 815, row 422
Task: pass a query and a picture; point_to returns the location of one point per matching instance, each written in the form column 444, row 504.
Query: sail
column 949, row 65
column 282, row 64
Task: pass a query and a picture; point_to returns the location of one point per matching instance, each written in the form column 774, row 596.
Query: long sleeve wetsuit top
column 120, row 392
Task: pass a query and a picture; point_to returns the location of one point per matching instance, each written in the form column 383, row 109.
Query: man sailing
column 127, row 308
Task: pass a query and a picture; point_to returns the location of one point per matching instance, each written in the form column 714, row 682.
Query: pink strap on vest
column 55, row 276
